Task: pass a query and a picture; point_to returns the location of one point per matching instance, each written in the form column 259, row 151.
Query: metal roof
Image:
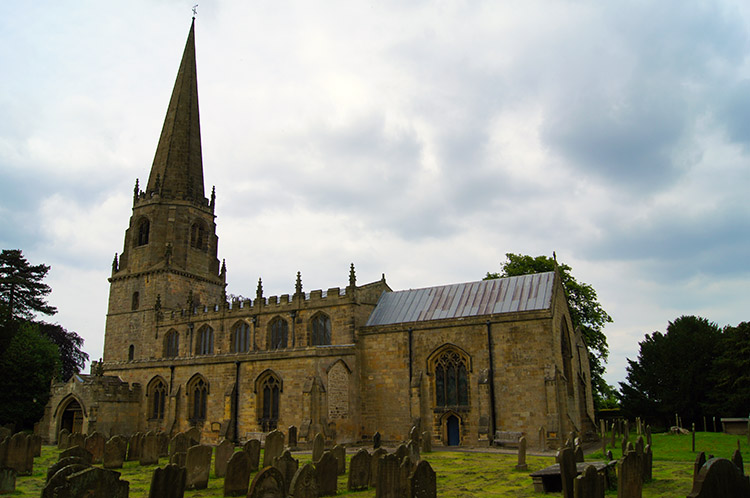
column 486, row 297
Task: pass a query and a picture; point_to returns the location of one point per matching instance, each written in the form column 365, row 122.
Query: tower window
column 144, row 227
column 198, row 236
column 279, row 334
column 205, row 343
column 134, row 303
column 321, row 330
column 171, row 344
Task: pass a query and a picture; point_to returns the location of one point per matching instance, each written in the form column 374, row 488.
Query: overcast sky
column 423, row 140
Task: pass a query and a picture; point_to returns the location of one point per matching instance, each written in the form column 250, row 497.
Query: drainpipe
column 411, row 359
column 236, row 402
column 492, row 382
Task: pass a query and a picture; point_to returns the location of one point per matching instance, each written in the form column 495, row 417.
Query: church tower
column 169, row 259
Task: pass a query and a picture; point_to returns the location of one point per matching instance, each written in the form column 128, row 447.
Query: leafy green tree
column 673, row 372
column 585, row 311
column 730, row 376
column 69, row 344
column 27, row 365
column 22, row 291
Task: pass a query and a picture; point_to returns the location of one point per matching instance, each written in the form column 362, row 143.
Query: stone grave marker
column 238, row 474
column 414, row 434
column 423, row 482
column 93, row 482
column 305, row 483
column 19, row 454
column 404, row 471
column 328, row 470
column 223, row 453
column 115, row 451
column 737, row 461
column 274, row 447
column 63, row 439
column 629, row 478
column 359, row 471
column 319, row 446
column 388, row 482
column 589, row 484
column 604, row 444
column 36, row 445
column 413, row 451
column 648, row 464
column 610, row 456
column 149, row 449
column 627, row 430
column 374, row 459
column 521, row 465
column 52, row 469
column 340, row 453
column 624, row 445
column 198, row 466
column 77, row 439
column 168, row 482
column 720, row 478
column 578, row 453
column 567, row 462
column 700, row 461
column 179, row 444
column 401, row 452
column 95, row 445
column 287, row 465
column 542, row 438
column 426, row 442
column 376, row 441
column 134, row 447
column 7, row 480
column 163, row 443
column 179, row 459
column 59, row 479
column 292, row 437
column 252, row 448
column 77, row 451
column 194, row 436
column 612, row 442
column 268, row 483
column 648, row 434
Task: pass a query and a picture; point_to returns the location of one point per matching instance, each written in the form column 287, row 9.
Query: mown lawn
column 467, row 474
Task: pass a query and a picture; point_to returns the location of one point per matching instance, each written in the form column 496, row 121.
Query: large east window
column 451, row 379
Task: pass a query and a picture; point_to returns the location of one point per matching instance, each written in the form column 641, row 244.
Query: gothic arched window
column 269, row 393
column 278, row 334
column 198, row 236
column 144, row 227
column 131, row 353
column 205, row 341
column 197, row 391
column 157, row 399
column 451, row 379
column 321, row 330
column 171, row 344
column 241, row 338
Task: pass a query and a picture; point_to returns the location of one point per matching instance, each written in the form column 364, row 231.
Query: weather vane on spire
column 195, row 10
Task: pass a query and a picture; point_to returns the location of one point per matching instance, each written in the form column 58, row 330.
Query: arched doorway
column 453, row 431
column 72, row 417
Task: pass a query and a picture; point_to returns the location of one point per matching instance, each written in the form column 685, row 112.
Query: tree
column 730, row 375
column 69, row 345
column 22, row 291
column 27, row 365
column 586, row 314
column 672, row 372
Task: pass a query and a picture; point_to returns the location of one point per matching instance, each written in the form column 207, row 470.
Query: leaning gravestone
column 168, row 482
column 7, row 481
column 59, row 479
column 327, row 468
column 389, row 477
column 134, row 447
column 252, row 448
column 149, row 449
column 268, row 483
column 589, row 484
column 522, row 454
column 94, row 482
column 319, row 446
column 426, row 442
column 198, row 466
column 305, row 483
column 629, row 478
column 359, row 471
column 237, row 476
column 274, row 447
column 413, row 451
column 223, row 453
column 567, row 462
column 287, row 465
column 720, row 478
column 340, row 453
column 115, row 451
column 77, row 451
column 179, row 444
column 194, row 436
column 63, row 439
column 376, row 441
column 423, row 482
column 95, row 445
column 60, row 464
column 19, row 454
column 700, row 461
column 292, row 436
column 374, row 459
column 737, row 461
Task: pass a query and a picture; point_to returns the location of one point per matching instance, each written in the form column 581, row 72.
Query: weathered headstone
column 274, row 447
column 629, row 478
column 292, row 437
column 237, row 476
column 359, row 471
column 624, row 445
column 194, row 436
column 179, row 444
column 77, row 451
column 376, row 441
column 77, row 439
column 63, row 439
column 521, row 465
column 693, row 427
column 627, row 430
column 613, row 436
column 388, row 478
column 149, row 449
column 287, row 465
column 58, row 479
column 414, row 434
column 93, row 482
column 648, row 464
column 52, row 469
column 179, row 459
column 319, row 446
column 610, row 456
column 198, row 466
column 401, row 452
column 19, row 454
column 413, row 451
column 134, row 447
column 340, row 453
column 223, row 453
column 648, row 434
column 163, row 439
column 567, row 462
column 305, row 483
column 115, row 451
column 374, row 459
column 426, row 442
column 589, row 484
column 423, row 482
column 578, row 453
column 737, row 461
column 639, row 445
column 7, row 480
column 720, row 478
column 36, row 445
column 268, row 483
column 328, row 469
column 168, row 482
column 252, row 448
column 404, row 471
column 95, row 445
column 700, row 461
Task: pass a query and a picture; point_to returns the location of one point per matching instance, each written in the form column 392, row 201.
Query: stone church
column 461, row 360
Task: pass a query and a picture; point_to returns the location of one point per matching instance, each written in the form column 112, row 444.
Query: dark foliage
column 69, row 345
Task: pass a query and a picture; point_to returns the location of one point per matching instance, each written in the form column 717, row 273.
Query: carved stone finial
column 223, row 273
column 135, row 190
column 190, row 301
column 157, row 305
column 213, row 197
column 352, row 276
column 298, row 285
column 115, row 264
column 259, row 290
column 98, row 368
column 168, row 254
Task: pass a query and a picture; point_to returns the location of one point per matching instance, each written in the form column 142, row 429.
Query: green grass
column 465, row 474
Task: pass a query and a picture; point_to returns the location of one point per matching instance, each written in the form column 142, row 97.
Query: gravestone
column 648, row 464
column 567, row 462
column 328, row 470
column 287, row 465
column 274, row 447
column 292, row 436
column 624, row 445
column 629, row 478
column 578, row 454
column 319, row 446
column 700, row 461
column 737, row 461
column 115, row 451
column 414, row 434
column 521, row 465
column 179, row 459
column 168, row 482
column 36, row 445
column 7, row 480
column 268, row 483
column 93, row 482
column 413, row 451
column 426, row 442
column 95, row 445
column 720, row 478
column 223, row 453
column 179, row 444
column 388, row 482
column 163, row 443
column 610, row 456
column 55, row 467
column 77, row 451
column 359, row 471
column 648, row 434
column 612, row 442
column 374, row 459
column 237, row 476
column 305, row 483
column 401, row 452
column 340, row 453
column 589, row 484
column 404, row 471
column 252, row 448
column 149, row 449
column 376, row 441
column 77, row 439
column 423, row 482
column 639, row 445
column 134, row 447
column 627, row 430
column 194, row 436
column 604, row 444
column 63, row 439
column 19, row 454
column 198, row 466
column 59, row 479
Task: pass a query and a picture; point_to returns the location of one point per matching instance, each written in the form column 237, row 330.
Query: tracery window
column 321, row 330
column 269, row 390
column 157, row 394
column 171, row 344
column 451, row 379
column 241, row 338
column 143, row 229
column 205, row 341
column 198, row 236
column 278, row 334
column 197, row 391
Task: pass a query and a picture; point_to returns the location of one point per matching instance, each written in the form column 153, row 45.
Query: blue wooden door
column 454, row 436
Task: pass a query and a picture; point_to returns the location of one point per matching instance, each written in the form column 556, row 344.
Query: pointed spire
column 178, row 163
column 298, row 285
column 352, row 276
column 259, row 290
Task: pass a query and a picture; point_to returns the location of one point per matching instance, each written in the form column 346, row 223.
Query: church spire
column 177, row 171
